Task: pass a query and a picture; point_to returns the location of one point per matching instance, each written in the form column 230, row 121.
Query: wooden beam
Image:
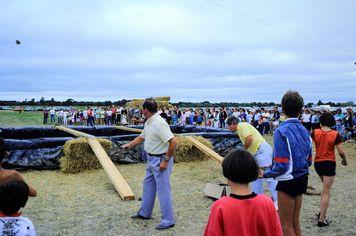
column 116, row 178
column 128, row 129
column 205, row 149
column 114, row 175
column 74, row 132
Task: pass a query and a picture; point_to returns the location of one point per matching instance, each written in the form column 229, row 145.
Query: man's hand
column 127, row 145
column 344, row 162
column 163, row 165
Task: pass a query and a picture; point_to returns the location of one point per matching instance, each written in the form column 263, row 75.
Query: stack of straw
column 161, row 102
column 187, row 152
column 78, row 155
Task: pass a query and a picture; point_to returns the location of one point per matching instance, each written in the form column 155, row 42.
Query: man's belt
column 156, row 155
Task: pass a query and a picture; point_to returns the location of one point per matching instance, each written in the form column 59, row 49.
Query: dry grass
column 87, row 203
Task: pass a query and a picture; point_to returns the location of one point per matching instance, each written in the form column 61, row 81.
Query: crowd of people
column 265, row 120
column 246, row 211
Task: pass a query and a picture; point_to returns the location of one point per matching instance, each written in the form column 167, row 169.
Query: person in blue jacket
column 292, row 158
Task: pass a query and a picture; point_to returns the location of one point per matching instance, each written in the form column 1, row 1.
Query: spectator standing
column 45, row 116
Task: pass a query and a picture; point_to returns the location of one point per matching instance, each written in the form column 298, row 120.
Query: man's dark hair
column 150, row 104
column 327, row 119
column 232, row 120
column 2, row 149
column 239, row 166
column 13, row 196
column 292, row 103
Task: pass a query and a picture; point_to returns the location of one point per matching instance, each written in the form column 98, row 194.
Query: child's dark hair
column 239, row 166
column 292, row 103
column 13, row 196
column 150, row 104
column 327, row 119
column 2, row 149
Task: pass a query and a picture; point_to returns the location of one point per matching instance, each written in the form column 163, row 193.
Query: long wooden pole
column 128, row 129
column 114, row 175
column 116, row 178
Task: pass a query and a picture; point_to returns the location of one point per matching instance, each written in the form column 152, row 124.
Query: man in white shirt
column 306, row 119
column 52, row 112
column 159, row 145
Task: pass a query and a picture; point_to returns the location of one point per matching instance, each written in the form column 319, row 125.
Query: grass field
column 87, row 203
column 13, row 118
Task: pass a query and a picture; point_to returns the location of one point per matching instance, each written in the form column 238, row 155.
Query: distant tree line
column 68, row 102
column 224, row 104
column 71, row 102
column 254, row 104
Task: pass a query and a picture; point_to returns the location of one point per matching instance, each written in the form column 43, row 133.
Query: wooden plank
column 205, row 149
column 74, row 132
column 128, row 129
column 116, row 178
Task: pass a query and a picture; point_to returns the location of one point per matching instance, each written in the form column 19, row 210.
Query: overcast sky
column 191, row 50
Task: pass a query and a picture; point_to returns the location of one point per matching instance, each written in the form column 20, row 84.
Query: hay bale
column 187, row 152
column 163, row 98
column 161, row 103
column 78, row 155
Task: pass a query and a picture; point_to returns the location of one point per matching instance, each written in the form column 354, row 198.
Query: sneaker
column 323, row 223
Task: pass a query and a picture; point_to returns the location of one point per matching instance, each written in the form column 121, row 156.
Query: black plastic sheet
column 38, row 159
column 40, row 148
column 25, row 144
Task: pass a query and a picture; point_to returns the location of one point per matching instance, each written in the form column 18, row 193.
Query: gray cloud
column 192, row 51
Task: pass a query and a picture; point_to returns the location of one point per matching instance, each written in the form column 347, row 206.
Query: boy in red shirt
column 243, row 212
column 325, row 140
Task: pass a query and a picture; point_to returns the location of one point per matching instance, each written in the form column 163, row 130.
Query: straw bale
column 160, row 103
column 187, row 152
column 163, row 98
column 78, row 155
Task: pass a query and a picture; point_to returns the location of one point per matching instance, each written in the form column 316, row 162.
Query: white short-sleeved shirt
column 156, row 134
column 306, row 117
column 16, row 226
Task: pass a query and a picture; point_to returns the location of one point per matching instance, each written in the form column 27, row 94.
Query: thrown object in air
column 18, row 42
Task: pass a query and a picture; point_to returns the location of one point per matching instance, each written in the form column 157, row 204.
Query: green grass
column 13, row 119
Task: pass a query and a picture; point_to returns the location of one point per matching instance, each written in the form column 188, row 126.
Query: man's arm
column 133, row 143
column 172, row 146
column 342, row 153
column 248, row 142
